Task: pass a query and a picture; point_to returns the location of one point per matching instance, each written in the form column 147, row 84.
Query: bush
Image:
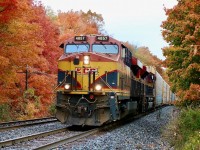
column 193, row 143
column 52, row 109
column 184, row 132
column 5, row 112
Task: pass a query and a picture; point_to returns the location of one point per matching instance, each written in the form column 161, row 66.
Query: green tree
column 182, row 31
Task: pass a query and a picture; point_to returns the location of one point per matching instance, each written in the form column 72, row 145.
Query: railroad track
column 104, row 128
column 17, row 124
column 67, row 139
column 73, row 138
column 30, row 137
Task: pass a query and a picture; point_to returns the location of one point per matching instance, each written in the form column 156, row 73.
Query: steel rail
column 24, row 123
column 68, row 140
column 30, row 137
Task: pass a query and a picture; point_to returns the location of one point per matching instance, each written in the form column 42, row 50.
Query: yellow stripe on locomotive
column 106, row 73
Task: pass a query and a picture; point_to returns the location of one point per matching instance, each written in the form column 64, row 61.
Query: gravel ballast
column 144, row 134
column 141, row 134
column 25, row 131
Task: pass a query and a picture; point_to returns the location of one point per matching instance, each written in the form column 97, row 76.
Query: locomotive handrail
column 80, row 100
column 107, row 84
column 61, row 83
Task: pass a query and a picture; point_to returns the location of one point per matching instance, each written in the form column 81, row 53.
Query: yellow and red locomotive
column 99, row 81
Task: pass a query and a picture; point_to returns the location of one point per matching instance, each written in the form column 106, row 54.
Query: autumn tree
column 43, row 75
column 145, row 56
column 18, row 47
column 28, row 41
column 133, row 48
column 182, row 31
column 73, row 23
column 94, row 22
column 11, row 51
column 51, row 14
column 50, row 35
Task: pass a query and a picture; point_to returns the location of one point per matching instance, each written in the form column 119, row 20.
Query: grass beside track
column 184, row 131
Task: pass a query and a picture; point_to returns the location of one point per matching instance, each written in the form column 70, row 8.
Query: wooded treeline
column 182, row 31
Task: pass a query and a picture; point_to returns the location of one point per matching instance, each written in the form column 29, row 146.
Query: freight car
column 100, row 81
column 163, row 93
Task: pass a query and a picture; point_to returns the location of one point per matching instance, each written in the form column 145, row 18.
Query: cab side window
column 127, row 57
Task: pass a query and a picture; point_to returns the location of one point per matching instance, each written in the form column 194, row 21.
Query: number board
column 102, row 38
column 80, row 38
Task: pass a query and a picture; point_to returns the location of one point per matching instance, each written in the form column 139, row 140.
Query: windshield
column 105, row 48
column 76, row 48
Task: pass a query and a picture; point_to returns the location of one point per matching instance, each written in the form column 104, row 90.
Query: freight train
column 100, row 81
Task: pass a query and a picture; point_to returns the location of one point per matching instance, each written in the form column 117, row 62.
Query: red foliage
column 29, row 38
column 7, row 8
column 193, row 94
column 50, row 36
column 79, row 23
column 43, row 87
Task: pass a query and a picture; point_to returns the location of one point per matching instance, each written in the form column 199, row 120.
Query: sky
column 135, row 21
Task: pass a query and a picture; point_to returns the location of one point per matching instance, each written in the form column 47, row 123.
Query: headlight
column 98, row 87
column 67, row 86
column 112, row 97
column 86, row 60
